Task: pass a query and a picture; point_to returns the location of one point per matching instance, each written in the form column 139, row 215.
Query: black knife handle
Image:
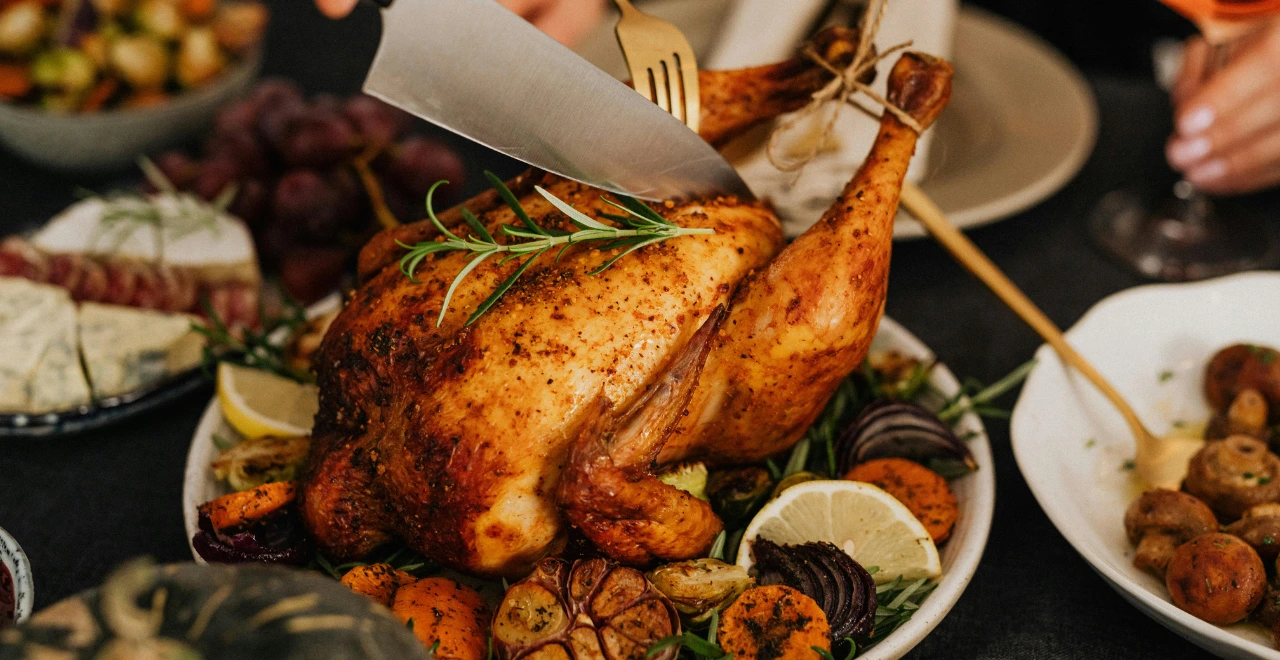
column 381, row 4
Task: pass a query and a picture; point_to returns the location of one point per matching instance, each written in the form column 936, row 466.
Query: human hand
column 1227, row 128
column 566, row 21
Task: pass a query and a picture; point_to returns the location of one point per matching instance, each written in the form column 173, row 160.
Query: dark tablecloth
column 81, row 505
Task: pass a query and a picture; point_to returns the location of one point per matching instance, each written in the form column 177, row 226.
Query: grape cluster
column 293, row 164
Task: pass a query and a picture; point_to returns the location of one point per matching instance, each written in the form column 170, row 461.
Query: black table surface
column 81, row 505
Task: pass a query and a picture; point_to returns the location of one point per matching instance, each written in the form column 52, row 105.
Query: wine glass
column 1190, row 236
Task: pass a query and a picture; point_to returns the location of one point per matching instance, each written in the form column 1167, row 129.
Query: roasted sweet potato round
column 1216, row 577
column 445, row 611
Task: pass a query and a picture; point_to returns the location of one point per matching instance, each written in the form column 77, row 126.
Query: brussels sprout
column 161, row 18
column 64, row 69
column 200, row 59
column 255, row 462
column 700, row 587
column 689, row 477
column 792, row 480
column 143, row 62
column 22, row 26
column 735, row 494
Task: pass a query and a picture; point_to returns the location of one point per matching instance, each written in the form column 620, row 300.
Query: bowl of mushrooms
column 1196, row 359
column 91, row 84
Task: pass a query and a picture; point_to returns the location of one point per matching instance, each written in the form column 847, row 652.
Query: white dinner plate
column 975, row 493
column 1152, row 342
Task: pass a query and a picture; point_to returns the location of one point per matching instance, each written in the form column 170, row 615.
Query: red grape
column 238, row 117
column 245, row 149
column 252, row 203
column 277, row 120
column 178, row 168
column 310, row 272
column 318, row 139
column 277, row 91
column 216, row 173
column 419, row 162
column 306, row 206
column 378, row 122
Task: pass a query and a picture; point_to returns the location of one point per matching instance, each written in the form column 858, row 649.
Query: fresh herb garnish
column 641, row 226
column 1090, row 443
column 1264, row 355
column 717, row 546
column 1128, row 465
column 902, row 600
column 1166, row 376
column 973, row 397
column 400, row 559
column 258, row 349
column 826, row 655
column 699, row 647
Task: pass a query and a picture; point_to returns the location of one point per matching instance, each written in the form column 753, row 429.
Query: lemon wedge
column 259, row 404
column 866, row 522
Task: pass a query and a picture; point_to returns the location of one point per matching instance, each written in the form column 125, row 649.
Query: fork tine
column 661, row 85
column 687, row 68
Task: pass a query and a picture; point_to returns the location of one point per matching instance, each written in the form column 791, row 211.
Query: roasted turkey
column 479, row 446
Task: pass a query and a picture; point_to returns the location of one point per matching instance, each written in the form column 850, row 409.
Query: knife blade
column 475, row 68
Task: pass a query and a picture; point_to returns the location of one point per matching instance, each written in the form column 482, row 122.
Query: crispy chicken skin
column 455, row 438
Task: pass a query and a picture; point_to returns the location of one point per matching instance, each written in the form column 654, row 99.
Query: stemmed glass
column 1190, row 236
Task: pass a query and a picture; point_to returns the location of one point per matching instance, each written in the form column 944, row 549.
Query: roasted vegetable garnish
column 235, row 509
column 593, row 609
column 922, row 490
column 259, row 461
column 378, row 582
column 689, row 477
column 256, row 525
column 700, row 587
column 445, row 615
column 737, row 493
column 843, row 589
column 774, row 623
column 900, row 429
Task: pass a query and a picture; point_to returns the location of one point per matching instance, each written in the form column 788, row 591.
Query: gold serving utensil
column 1161, row 461
column 662, row 64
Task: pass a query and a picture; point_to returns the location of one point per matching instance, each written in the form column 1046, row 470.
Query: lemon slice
column 866, row 522
column 259, row 403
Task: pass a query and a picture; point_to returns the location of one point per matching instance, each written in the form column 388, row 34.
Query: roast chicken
column 482, row 446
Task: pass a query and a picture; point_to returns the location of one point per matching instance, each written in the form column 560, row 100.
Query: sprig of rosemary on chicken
column 641, row 226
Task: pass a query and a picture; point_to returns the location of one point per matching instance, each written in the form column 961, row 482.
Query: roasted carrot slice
column 776, row 622
column 247, row 506
column 379, row 582
column 98, row 96
column 15, row 81
column 444, row 611
column 922, row 490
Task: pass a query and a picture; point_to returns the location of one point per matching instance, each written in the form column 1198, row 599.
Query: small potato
column 445, row 611
column 1216, row 577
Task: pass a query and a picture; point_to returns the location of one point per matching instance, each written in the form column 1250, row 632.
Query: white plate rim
column 1022, row 441
column 971, row 544
column 19, row 567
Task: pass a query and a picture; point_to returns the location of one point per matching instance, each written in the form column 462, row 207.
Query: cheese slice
column 126, row 349
column 28, row 311
column 59, row 383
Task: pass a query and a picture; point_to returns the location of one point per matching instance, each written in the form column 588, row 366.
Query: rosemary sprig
column 973, row 397
column 902, row 599
column 641, row 226
column 252, row 348
column 706, row 649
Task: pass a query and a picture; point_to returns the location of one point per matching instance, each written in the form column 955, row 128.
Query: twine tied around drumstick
column 842, row 89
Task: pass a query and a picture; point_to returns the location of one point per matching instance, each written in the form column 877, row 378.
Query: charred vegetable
column 259, row 461
column 213, row 613
column 446, row 616
column 700, row 587
column 258, row 525
column 590, row 609
column 842, row 588
column 774, row 622
column 900, row 429
column 736, row 494
column 689, row 477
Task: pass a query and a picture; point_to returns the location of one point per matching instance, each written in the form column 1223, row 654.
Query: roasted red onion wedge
column 901, row 429
column 276, row 539
column 843, row 589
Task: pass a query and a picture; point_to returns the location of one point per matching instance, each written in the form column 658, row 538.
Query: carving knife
column 475, row 68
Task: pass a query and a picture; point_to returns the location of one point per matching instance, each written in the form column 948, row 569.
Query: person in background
column 1227, row 127
column 567, row 21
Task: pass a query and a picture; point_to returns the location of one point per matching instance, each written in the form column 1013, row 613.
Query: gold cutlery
column 663, row 67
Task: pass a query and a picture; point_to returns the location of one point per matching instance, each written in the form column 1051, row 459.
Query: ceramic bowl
column 1152, row 342
column 15, row 560
column 114, row 139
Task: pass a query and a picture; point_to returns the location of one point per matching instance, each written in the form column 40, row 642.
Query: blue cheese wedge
column 127, row 349
column 28, row 311
column 59, row 383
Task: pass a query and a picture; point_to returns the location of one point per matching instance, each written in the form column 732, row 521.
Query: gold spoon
column 1161, row 461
